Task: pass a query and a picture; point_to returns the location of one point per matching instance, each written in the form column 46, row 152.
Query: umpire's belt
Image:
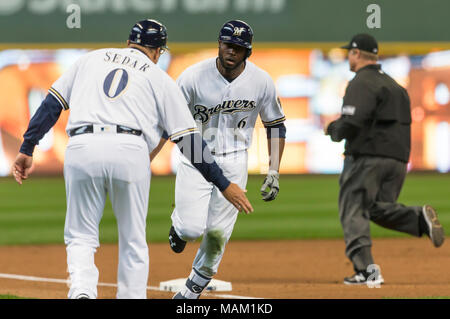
column 99, row 128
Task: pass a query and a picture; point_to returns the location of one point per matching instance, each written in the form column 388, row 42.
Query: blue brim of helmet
column 165, row 47
column 237, row 41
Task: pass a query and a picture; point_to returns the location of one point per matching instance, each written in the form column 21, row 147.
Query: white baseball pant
column 200, row 206
column 96, row 165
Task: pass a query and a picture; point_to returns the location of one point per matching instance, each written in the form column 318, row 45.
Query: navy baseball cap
column 364, row 42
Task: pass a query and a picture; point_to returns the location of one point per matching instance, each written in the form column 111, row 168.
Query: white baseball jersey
column 127, row 89
column 226, row 112
column 114, row 87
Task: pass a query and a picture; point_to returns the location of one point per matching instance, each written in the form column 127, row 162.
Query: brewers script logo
column 238, row 31
column 203, row 114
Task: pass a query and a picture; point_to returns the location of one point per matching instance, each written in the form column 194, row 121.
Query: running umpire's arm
column 357, row 111
column 341, row 129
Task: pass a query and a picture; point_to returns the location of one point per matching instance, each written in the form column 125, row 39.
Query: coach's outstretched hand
column 236, row 196
column 21, row 167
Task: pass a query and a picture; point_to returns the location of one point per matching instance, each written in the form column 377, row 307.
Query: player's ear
column 128, row 43
column 156, row 52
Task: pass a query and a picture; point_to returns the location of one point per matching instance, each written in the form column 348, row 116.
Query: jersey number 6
column 115, row 83
column 242, row 122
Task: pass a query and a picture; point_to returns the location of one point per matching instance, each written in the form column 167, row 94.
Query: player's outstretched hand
column 271, row 186
column 236, row 196
column 21, row 167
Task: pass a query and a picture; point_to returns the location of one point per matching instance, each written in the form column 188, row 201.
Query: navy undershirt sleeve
column 276, row 131
column 195, row 149
column 42, row 121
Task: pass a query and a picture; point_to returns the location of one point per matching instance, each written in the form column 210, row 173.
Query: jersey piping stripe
column 274, row 122
column 59, row 98
column 184, row 132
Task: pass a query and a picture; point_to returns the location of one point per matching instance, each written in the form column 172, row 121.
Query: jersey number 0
column 115, row 83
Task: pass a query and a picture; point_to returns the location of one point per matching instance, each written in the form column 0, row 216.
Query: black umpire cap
column 364, row 42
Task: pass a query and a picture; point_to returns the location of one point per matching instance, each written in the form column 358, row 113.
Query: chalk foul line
column 103, row 284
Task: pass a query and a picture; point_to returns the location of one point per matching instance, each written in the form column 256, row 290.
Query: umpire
column 376, row 124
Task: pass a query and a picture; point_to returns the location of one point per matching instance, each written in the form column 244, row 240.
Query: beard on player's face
column 226, row 63
column 231, row 56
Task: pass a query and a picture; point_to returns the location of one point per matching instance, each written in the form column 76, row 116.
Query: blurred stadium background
column 295, row 42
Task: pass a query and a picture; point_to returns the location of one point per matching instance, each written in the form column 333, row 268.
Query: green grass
column 11, row 297
column 424, row 297
column 306, row 207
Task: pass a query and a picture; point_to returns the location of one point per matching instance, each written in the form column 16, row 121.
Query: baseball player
column 120, row 103
column 225, row 96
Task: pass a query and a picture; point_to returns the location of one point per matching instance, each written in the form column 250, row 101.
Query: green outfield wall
column 106, row 21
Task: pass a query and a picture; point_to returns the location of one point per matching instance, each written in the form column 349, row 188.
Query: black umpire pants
column 369, row 189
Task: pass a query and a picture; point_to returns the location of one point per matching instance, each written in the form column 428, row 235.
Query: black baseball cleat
column 435, row 230
column 363, row 278
column 176, row 243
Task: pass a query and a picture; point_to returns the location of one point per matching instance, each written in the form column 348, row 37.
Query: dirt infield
column 267, row 269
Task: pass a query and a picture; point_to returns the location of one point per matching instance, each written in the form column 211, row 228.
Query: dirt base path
column 267, row 269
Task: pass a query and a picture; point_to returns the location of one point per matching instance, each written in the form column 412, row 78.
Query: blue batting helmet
column 149, row 33
column 237, row 32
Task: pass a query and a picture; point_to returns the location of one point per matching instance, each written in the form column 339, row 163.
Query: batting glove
column 270, row 183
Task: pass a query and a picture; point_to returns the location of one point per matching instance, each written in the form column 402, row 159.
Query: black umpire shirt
column 376, row 116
